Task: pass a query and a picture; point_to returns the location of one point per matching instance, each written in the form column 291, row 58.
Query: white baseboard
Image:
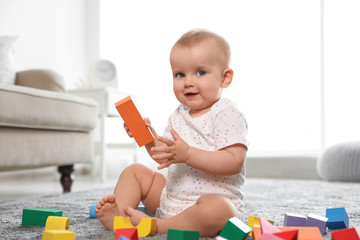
column 295, row 166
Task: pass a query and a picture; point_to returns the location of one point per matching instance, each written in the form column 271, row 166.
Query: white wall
column 51, row 35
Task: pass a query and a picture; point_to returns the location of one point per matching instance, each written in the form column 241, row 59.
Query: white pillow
column 7, row 68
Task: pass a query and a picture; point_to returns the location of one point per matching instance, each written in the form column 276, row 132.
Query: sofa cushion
column 41, row 79
column 23, row 148
column 34, row 108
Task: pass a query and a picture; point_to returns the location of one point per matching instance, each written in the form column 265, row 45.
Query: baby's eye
column 180, row 75
column 201, row 73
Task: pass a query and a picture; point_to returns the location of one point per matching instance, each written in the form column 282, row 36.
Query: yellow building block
column 255, row 222
column 58, row 235
column 146, row 227
column 57, row 223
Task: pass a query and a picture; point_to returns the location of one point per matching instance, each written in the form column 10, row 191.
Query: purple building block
column 317, row 221
column 294, row 220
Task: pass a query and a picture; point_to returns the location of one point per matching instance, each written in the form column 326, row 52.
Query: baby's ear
column 227, row 77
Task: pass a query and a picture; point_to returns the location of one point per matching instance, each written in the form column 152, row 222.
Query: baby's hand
column 173, row 152
column 147, row 124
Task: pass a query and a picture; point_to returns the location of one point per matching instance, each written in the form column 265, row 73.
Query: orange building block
column 256, row 232
column 134, row 121
column 304, row 233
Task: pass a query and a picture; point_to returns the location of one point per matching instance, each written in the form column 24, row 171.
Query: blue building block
column 144, row 210
column 123, row 238
column 337, row 218
column 92, row 211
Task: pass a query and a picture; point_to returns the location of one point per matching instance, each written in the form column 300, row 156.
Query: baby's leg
column 208, row 216
column 136, row 183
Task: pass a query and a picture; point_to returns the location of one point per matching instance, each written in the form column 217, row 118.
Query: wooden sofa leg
column 66, row 177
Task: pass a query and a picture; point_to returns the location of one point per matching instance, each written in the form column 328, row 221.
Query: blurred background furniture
column 106, row 97
column 340, row 162
column 42, row 125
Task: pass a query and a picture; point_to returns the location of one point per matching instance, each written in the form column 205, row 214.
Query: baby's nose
column 189, row 82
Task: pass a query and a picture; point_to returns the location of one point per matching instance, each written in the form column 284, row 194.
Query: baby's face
column 197, row 75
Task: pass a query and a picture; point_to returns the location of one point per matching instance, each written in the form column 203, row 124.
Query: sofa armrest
column 41, row 79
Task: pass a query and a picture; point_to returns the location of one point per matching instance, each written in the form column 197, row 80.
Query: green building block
column 235, row 229
column 176, row 234
column 38, row 216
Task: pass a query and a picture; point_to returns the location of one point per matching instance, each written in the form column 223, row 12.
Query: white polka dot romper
column 224, row 125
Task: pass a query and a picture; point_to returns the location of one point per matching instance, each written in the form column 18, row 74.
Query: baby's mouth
column 190, row 94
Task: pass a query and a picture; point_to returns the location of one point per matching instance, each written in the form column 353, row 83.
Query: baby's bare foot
column 135, row 215
column 106, row 210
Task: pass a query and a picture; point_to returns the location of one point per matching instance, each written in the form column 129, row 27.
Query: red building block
column 130, row 233
column 345, row 234
column 134, row 121
column 288, row 235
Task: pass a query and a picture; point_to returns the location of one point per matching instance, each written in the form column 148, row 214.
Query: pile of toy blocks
column 300, row 227
column 296, row 227
column 56, row 226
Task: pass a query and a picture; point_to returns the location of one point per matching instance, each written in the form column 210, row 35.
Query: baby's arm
column 226, row 161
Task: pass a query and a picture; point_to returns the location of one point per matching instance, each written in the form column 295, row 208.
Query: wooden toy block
column 317, row 221
column 235, row 229
column 291, row 234
column 305, row 233
column 92, row 213
column 123, row 238
column 288, row 235
column 129, row 233
column 267, row 228
column 57, row 223
column 58, row 235
column 345, row 234
column 294, row 220
column 177, row 234
column 37, row 216
column 337, row 218
column 256, row 232
column 219, row 238
column 134, row 121
column 255, row 221
column 267, row 236
column 146, row 227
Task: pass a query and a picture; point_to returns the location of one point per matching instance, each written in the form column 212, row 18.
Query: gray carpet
column 267, row 198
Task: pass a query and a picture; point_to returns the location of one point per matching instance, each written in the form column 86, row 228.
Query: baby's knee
column 135, row 167
column 217, row 207
column 214, row 212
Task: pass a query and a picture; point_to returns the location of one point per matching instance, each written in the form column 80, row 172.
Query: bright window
column 276, row 57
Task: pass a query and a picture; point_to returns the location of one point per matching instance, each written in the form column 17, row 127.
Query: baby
column 204, row 148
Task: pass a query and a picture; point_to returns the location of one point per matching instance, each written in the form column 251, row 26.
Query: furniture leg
column 66, row 177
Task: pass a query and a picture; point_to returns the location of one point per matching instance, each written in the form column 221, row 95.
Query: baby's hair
column 195, row 36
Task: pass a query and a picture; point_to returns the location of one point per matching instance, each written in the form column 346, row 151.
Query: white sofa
column 42, row 125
